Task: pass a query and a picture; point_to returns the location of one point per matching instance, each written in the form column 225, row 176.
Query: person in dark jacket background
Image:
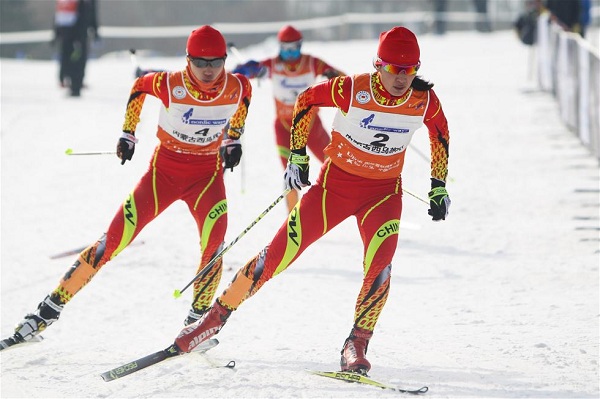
column 74, row 22
column 566, row 13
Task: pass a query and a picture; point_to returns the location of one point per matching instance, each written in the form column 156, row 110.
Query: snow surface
column 499, row 301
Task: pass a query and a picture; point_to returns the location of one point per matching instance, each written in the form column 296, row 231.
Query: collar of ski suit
column 382, row 96
column 201, row 90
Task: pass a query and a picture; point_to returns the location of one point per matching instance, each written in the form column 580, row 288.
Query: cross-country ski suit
column 360, row 178
column 288, row 79
column 186, row 165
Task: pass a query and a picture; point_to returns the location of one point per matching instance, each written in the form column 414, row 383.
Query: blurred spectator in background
column 439, row 22
column 585, row 16
column 291, row 72
column 567, row 13
column 483, row 23
column 526, row 23
column 74, row 21
column 440, row 17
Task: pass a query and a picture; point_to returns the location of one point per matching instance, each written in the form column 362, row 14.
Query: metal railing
column 569, row 68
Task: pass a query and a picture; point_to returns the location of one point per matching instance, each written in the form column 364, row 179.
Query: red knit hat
column 289, row 34
column 206, row 41
column 399, row 46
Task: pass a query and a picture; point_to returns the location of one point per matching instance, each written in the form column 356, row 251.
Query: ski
column 11, row 342
column 364, row 379
column 156, row 357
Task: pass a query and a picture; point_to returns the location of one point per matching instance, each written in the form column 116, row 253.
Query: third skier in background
column 291, row 72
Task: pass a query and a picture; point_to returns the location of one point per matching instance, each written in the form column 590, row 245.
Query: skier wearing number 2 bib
column 377, row 115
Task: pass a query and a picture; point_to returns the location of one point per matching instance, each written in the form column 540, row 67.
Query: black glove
column 296, row 173
column 126, row 147
column 231, row 153
column 439, row 201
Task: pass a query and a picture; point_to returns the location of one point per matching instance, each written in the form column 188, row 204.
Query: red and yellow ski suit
column 290, row 78
column 361, row 178
column 186, row 166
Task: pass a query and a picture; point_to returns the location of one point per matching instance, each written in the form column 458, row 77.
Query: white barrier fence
column 569, row 68
column 227, row 28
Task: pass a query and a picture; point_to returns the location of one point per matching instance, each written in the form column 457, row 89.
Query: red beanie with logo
column 206, row 41
column 289, row 34
column 399, row 46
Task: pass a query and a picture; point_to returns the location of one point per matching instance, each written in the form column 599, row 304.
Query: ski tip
column 68, row 151
column 177, row 293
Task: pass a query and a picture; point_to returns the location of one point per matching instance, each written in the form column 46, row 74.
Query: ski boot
column 354, row 351
column 194, row 315
column 48, row 312
column 209, row 325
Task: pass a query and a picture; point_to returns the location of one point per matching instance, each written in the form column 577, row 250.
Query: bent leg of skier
column 294, row 236
column 207, row 202
column 379, row 232
column 140, row 208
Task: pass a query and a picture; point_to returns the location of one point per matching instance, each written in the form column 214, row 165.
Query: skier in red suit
column 292, row 72
column 198, row 102
column 378, row 113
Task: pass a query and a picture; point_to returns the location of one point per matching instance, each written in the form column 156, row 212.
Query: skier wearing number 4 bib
column 377, row 115
column 198, row 102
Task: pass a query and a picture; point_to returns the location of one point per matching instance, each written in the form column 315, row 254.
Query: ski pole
column 235, row 52
column 241, row 60
column 69, row 151
column 420, row 153
column 218, row 256
column 243, row 170
column 77, row 250
column 133, row 58
column 415, row 195
column 135, row 63
column 425, row 158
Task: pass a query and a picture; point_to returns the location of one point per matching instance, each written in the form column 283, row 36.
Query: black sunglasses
column 203, row 62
